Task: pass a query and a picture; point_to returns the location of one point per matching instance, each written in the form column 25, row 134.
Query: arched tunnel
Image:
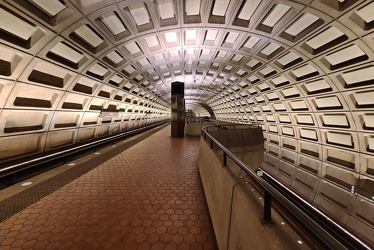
column 303, row 69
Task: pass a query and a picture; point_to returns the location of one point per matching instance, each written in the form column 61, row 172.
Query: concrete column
column 177, row 109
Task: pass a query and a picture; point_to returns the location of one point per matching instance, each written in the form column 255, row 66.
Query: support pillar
column 177, row 109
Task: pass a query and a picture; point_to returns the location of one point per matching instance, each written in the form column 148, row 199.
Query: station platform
column 146, row 197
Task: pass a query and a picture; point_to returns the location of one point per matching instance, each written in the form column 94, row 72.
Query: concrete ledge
column 218, row 183
column 236, row 209
column 246, row 230
column 194, row 129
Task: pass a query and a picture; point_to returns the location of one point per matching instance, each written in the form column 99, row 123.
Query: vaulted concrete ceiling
column 302, row 68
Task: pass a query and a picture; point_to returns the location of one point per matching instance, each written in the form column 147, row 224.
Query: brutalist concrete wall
column 234, row 213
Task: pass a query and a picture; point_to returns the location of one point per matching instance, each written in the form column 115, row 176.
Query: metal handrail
column 329, row 232
column 14, row 168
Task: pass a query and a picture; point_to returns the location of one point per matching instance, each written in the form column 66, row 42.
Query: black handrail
column 17, row 167
column 329, row 233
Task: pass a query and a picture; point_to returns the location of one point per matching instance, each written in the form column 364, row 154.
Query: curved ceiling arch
column 301, row 68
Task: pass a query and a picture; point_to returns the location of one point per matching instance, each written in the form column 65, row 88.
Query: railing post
column 267, row 208
column 224, row 159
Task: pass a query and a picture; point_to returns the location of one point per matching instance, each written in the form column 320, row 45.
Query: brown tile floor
column 148, row 197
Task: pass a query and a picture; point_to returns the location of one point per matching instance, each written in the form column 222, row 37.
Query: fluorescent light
column 248, row 9
column 113, row 23
column 139, row 13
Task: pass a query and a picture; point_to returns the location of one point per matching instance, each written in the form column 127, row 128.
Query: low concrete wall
column 234, row 208
column 194, row 129
column 246, row 229
column 218, row 183
column 246, row 144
